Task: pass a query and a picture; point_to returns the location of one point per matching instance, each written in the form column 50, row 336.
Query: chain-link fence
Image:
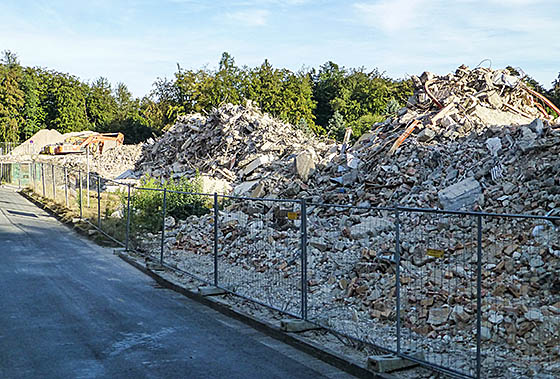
column 468, row 294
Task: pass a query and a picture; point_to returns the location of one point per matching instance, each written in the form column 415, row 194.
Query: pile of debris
column 476, row 139
column 113, row 163
column 238, row 145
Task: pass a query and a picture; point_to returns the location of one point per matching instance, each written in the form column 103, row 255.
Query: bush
column 147, row 204
column 364, row 124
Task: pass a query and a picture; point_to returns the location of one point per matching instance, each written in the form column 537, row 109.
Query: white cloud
column 250, row 17
column 390, row 15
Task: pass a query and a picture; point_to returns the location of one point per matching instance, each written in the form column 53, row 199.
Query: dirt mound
column 39, row 140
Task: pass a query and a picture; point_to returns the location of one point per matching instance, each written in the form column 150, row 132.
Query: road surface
column 71, row 309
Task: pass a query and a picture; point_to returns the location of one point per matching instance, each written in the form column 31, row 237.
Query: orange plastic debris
column 403, row 136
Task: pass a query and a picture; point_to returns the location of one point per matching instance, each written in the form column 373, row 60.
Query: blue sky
column 136, row 41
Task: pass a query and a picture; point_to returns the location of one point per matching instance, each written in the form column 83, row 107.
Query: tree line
column 323, row 101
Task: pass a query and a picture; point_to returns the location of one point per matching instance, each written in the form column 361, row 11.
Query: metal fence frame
column 37, row 173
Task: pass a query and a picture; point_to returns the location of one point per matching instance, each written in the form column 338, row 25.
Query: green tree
column 11, row 98
column 32, row 113
column 554, row 93
column 327, row 85
column 67, row 101
column 336, row 126
column 100, row 104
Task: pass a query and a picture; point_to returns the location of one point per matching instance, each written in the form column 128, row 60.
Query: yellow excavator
column 94, row 142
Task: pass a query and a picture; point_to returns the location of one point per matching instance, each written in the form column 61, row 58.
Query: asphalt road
column 71, row 309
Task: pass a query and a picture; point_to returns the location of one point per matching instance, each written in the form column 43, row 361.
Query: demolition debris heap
column 235, row 145
column 473, row 139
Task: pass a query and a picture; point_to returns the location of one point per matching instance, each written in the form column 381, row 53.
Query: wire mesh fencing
column 520, row 296
column 259, row 251
column 188, row 239
column 438, row 289
column 351, row 264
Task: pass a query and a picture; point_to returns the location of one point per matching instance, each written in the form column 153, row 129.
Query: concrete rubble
column 250, row 150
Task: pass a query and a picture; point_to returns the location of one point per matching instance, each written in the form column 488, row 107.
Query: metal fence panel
column 438, row 292
column 520, row 332
column 111, row 208
column 189, row 235
column 259, row 252
column 351, row 264
column 469, row 294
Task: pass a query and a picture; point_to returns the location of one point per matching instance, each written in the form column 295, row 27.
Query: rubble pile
column 456, row 157
column 238, row 144
column 114, row 162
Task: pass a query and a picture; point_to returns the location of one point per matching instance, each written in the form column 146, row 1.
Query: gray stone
column 537, row 126
column 244, row 188
column 169, row 222
column 485, row 333
column 459, row 314
column 263, row 159
column 534, row 314
column 370, row 226
column 438, row 316
column 236, row 218
column 426, row 135
column 460, row 195
column 495, row 318
column 508, row 188
column 536, row 262
column 349, row 178
column 527, row 140
column 305, row 165
column 494, row 145
column 318, row 243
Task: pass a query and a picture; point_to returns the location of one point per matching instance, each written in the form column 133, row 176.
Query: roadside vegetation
column 147, row 203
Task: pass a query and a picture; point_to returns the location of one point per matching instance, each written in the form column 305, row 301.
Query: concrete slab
column 388, row 362
column 210, row 291
column 296, row 326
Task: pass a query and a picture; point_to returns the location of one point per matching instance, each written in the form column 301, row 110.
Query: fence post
column 20, row 173
column 53, row 183
column 478, row 295
column 398, row 275
column 43, row 178
column 87, row 174
column 303, row 225
column 66, row 186
column 80, row 197
column 216, row 217
column 98, row 201
column 163, row 225
column 127, row 217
